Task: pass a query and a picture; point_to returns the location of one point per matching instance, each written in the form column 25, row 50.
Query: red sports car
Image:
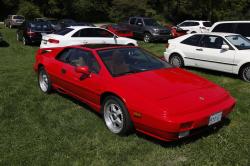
column 119, row 30
column 133, row 89
column 176, row 31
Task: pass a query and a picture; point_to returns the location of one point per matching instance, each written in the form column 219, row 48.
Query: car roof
column 81, row 27
column 197, row 20
column 242, row 21
column 141, row 17
column 98, row 47
column 223, row 34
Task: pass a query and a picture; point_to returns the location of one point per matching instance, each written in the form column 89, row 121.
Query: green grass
column 39, row 129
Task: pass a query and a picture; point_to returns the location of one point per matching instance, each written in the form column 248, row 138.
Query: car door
column 189, row 47
column 84, row 87
column 132, row 26
column 210, row 54
column 138, row 29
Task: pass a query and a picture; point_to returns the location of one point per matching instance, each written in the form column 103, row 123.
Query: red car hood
column 161, row 84
column 174, row 91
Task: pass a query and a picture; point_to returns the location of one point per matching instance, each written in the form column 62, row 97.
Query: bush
column 29, row 10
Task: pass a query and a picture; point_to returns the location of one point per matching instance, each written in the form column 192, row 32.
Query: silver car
column 14, row 20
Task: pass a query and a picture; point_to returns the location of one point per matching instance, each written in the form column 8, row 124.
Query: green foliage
column 117, row 10
column 29, row 10
column 122, row 9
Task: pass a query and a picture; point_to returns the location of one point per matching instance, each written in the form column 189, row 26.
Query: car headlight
column 156, row 30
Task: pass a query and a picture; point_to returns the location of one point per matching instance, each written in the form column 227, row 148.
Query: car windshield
column 239, row 42
column 122, row 61
column 18, row 17
column 40, row 26
column 151, row 22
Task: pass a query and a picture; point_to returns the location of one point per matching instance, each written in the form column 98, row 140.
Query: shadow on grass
column 213, row 72
column 203, row 132
column 4, row 44
column 78, row 102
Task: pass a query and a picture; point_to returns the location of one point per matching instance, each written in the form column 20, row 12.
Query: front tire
column 176, row 60
column 44, row 81
column 245, row 73
column 147, row 37
column 116, row 116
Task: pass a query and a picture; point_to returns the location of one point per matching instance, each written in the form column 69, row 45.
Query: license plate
column 215, row 118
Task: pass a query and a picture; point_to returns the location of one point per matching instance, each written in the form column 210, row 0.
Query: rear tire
column 17, row 37
column 24, row 41
column 176, row 60
column 116, row 116
column 245, row 73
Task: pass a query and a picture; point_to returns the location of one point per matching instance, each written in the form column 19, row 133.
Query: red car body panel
column 119, row 31
column 174, row 32
column 161, row 103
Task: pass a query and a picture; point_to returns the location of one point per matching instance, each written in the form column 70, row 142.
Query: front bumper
column 192, row 123
column 161, row 37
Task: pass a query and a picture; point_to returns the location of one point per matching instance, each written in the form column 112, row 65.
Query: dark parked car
column 63, row 23
column 52, row 21
column 31, row 31
column 13, row 20
column 147, row 29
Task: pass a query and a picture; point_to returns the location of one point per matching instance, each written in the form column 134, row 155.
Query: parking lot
column 39, row 129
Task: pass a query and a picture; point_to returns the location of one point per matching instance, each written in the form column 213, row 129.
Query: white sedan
column 225, row 52
column 76, row 35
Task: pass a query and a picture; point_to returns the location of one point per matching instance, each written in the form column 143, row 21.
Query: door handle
column 63, row 71
column 199, row 49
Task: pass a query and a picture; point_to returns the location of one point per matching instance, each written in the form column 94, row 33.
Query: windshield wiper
column 128, row 72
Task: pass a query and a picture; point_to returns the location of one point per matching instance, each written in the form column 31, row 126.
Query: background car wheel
column 130, row 44
column 176, row 60
column 193, row 32
column 24, row 41
column 116, row 116
column 44, row 81
column 17, row 37
column 245, row 73
column 147, row 37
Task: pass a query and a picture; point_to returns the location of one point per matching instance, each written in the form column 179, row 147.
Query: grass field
column 39, row 129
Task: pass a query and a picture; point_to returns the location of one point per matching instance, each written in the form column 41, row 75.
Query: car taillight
column 53, row 41
column 30, row 33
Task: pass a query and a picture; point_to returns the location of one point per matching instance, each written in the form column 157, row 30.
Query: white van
column 239, row 27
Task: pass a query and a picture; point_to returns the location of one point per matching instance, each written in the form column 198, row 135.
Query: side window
column 212, row 42
column 243, row 29
column 101, row 33
column 194, row 24
column 80, row 57
column 77, row 34
column 225, row 27
column 132, row 21
column 64, row 55
column 139, row 22
column 193, row 40
column 184, row 24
